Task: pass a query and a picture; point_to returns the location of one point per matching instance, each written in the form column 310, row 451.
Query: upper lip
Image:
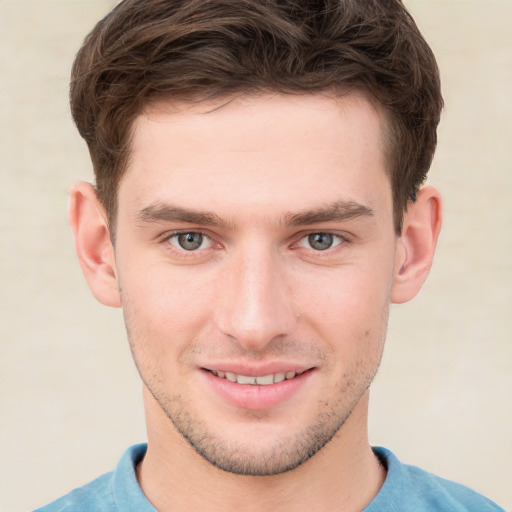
column 257, row 370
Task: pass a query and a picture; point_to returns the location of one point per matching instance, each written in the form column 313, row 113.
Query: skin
column 257, row 178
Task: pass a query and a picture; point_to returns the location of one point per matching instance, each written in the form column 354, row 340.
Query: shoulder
column 95, row 496
column 116, row 491
column 411, row 488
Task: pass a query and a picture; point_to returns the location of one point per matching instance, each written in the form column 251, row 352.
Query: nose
column 255, row 302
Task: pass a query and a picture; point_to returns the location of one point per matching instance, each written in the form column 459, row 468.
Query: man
column 258, row 205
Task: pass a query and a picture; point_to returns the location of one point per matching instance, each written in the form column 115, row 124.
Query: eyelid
column 169, row 236
column 301, row 240
column 205, row 241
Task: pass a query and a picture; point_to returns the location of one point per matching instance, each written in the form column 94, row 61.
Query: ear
column 416, row 245
column 93, row 246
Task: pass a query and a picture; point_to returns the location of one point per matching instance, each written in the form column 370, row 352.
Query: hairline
column 388, row 136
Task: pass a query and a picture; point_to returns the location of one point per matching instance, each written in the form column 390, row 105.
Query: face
column 255, row 254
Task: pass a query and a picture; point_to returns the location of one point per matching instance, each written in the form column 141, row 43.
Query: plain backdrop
column 70, row 399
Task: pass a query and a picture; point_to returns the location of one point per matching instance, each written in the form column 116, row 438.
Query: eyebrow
column 338, row 211
column 169, row 213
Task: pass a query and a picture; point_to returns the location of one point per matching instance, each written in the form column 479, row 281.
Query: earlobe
column 416, row 245
column 93, row 246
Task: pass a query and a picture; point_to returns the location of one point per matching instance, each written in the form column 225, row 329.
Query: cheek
column 348, row 308
column 163, row 309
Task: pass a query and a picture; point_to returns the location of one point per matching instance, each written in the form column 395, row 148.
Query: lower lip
column 256, row 397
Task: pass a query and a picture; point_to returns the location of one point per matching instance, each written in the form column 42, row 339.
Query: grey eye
column 190, row 241
column 321, row 241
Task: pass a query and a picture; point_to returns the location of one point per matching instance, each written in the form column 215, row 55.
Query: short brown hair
column 196, row 49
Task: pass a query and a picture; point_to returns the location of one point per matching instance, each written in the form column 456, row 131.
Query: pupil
column 190, row 241
column 320, row 241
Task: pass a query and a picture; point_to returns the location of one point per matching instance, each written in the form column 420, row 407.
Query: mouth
column 257, row 388
column 262, row 380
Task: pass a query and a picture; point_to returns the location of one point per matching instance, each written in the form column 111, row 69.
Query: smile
column 247, row 387
column 264, row 380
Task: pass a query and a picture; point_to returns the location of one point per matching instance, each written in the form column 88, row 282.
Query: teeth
column 264, row 380
column 242, row 379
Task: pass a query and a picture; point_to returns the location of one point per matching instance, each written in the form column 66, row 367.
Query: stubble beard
column 274, row 456
column 271, row 456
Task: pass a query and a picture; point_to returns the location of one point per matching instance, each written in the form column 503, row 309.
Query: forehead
column 266, row 149
column 256, row 119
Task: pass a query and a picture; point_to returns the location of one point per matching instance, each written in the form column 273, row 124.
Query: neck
column 344, row 475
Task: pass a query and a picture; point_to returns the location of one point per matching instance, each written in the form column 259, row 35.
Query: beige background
column 69, row 396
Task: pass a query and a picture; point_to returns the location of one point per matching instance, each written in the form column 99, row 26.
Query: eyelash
column 184, row 253
column 336, row 240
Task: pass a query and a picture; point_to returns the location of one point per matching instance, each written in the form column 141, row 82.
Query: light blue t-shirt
column 406, row 489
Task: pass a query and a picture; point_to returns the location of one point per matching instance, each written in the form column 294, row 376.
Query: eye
column 190, row 241
column 320, row 241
